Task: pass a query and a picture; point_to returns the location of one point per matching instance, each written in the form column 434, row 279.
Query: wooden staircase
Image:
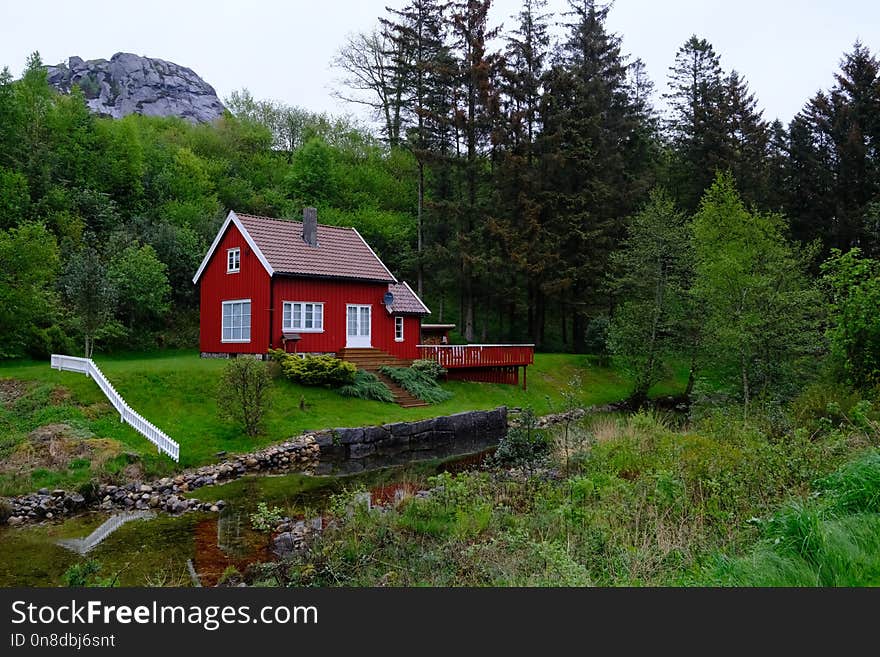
column 371, row 360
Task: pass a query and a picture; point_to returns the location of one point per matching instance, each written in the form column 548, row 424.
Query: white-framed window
column 303, row 316
column 398, row 329
column 233, row 260
column 236, row 321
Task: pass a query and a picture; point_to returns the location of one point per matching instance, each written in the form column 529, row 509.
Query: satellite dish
column 388, row 299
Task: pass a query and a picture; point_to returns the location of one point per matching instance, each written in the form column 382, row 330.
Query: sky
column 282, row 50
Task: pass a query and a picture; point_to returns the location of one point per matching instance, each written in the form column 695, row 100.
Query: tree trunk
column 420, row 266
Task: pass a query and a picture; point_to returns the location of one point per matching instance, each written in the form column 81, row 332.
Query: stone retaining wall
column 363, row 448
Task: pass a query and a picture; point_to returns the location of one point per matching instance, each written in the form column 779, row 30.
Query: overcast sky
column 280, row 49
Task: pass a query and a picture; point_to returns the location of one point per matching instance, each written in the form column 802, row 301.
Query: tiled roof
column 341, row 252
column 406, row 301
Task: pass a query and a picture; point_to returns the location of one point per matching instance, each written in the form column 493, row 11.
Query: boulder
column 131, row 84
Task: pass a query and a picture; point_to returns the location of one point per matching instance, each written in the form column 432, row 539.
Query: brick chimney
column 310, row 226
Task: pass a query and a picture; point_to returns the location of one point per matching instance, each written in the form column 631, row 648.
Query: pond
column 153, row 549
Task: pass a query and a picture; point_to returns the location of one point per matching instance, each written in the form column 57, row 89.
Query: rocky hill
column 129, row 84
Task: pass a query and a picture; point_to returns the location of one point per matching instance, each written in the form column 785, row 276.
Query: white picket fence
column 126, row 414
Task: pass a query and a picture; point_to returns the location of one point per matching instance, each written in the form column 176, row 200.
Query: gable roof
column 406, row 301
column 278, row 244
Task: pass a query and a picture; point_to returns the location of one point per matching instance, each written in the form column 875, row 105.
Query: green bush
column 417, row 383
column 319, row 371
column 523, row 443
column 243, row 393
column 367, row 386
column 430, row 367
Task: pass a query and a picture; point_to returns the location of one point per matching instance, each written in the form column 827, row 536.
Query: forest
column 531, row 189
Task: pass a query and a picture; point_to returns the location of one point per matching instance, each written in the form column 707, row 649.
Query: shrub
column 367, row 386
column 319, row 371
column 523, row 443
column 243, row 393
column 417, row 383
column 266, row 519
column 430, row 367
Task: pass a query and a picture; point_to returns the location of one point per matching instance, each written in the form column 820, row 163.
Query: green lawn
column 176, row 391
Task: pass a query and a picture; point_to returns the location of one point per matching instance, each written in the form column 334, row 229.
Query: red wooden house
column 304, row 287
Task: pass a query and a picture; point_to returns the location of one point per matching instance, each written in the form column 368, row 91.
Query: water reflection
column 84, row 545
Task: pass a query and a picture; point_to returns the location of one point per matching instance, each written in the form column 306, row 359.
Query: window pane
column 365, row 321
column 352, row 321
column 319, row 315
column 227, row 333
column 308, row 323
column 287, row 316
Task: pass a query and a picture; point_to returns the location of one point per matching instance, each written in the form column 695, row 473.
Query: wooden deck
column 488, row 363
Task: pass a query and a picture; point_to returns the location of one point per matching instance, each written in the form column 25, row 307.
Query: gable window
column 303, row 316
column 233, row 260
column 398, row 329
column 237, row 321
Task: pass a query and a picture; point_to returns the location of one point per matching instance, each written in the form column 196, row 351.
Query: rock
column 43, row 491
column 15, row 520
column 285, row 543
column 154, row 501
column 146, row 489
column 130, row 84
column 215, row 508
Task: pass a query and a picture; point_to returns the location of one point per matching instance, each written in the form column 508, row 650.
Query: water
column 152, row 550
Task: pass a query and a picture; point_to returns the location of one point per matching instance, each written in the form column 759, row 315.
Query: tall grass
column 831, row 539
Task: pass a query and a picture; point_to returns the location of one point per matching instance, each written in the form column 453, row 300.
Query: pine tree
column 417, row 40
column 515, row 225
column 836, row 153
column 590, row 178
column 474, row 114
column 747, row 140
column 696, row 127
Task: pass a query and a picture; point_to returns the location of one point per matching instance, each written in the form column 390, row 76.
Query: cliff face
column 130, row 84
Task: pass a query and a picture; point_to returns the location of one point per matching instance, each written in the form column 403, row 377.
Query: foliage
column 243, row 393
column 759, row 313
column 86, row 574
column 524, row 443
column 319, row 370
column 429, row 367
column 417, row 383
column 266, row 519
column 653, row 273
column 91, row 295
column 853, row 284
column 367, row 386
column 30, row 256
column 141, row 283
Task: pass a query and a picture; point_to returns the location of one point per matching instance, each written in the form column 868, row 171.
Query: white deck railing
column 126, row 414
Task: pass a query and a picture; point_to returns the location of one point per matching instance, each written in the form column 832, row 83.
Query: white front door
column 357, row 321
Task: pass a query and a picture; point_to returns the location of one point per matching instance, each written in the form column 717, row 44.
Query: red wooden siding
column 336, row 295
column 508, row 375
column 479, row 355
column 251, row 282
